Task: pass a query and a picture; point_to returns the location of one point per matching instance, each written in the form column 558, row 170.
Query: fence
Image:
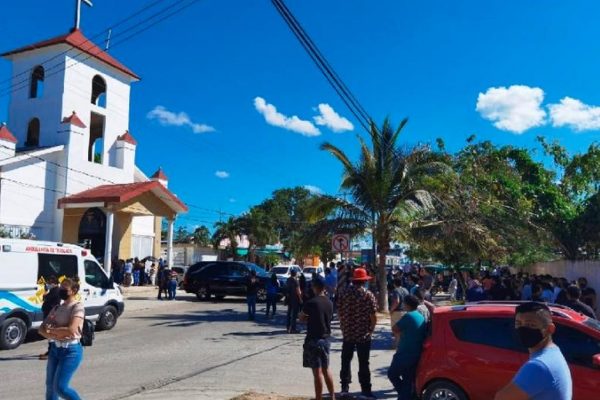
column 571, row 270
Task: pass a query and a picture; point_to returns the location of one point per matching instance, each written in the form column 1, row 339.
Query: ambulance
column 25, row 266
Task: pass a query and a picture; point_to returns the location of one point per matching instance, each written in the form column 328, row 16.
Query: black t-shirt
column 292, row 286
column 252, row 286
column 51, row 299
column 320, row 313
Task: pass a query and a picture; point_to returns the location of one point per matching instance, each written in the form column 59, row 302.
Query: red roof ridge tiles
column 160, row 175
column 73, row 119
column 76, row 39
column 128, row 138
column 120, row 193
column 6, row 135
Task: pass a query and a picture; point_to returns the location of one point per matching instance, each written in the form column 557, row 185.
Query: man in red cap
column 357, row 308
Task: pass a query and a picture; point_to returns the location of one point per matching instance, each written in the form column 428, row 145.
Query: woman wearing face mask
column 546, row 375
column 63, row 328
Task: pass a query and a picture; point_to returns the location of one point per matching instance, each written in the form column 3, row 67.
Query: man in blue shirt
column 412, row 330
column 546, row 375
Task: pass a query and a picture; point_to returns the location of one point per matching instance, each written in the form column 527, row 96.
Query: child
column 172, row 285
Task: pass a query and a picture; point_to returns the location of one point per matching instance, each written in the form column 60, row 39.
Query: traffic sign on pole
column 340, row 242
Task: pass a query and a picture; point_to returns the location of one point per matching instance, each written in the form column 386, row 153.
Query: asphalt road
column 188, row 349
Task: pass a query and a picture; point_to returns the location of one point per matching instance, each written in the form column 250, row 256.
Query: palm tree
column 386, row 187
column 257, row 228
column 228, row 230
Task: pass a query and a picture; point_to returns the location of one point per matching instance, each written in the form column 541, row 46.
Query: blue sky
column 507, row 71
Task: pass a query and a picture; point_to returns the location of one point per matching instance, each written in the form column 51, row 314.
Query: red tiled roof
column 160, row 175
column 120, row 193
column 126, row 137
column 76, row 39
column 5, row 134
column 74, row 120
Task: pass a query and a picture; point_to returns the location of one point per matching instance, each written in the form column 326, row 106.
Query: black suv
column 223, row 278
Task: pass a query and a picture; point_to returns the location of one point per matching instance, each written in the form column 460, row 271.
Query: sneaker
column 344, row 393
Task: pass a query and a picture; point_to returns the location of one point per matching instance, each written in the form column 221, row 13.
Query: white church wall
column 47, row 107
column 78, row 94
column 142, row 238
column 26, row 204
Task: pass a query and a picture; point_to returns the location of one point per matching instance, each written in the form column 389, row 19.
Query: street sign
column 340, row 242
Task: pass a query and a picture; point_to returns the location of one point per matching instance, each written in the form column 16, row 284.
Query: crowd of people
column 350, row 292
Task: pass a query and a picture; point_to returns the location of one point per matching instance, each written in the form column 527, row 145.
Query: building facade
column 67, row 158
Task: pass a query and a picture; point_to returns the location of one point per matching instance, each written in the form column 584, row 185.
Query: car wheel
column 12, row 333
column 444, row 390
column 203, row 293
column 261, row 295
column 108, row 319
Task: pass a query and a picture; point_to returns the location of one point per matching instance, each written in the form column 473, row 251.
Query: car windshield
column 592, row 323
column 310, row 270
column 280, row 270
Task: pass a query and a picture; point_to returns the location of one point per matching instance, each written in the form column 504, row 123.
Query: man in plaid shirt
column 357, row 308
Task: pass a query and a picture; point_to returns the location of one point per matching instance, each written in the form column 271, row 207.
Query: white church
column 67, row 158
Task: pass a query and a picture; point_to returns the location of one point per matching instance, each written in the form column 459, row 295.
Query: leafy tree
column 201, row 236
column 257, row 227
column 386, row 187
column 181, row 235
column 230, row 231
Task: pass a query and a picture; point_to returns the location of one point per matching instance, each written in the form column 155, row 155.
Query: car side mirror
column 596, row 360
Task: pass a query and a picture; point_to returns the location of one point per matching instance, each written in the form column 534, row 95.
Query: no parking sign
column 340, row 242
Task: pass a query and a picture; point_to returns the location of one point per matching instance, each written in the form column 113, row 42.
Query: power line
column 25, row 83
column 99, row 34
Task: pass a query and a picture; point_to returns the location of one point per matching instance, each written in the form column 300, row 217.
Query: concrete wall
column 189, row 254
column 571, row 270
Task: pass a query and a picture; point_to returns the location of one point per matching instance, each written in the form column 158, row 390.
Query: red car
column 471, row 351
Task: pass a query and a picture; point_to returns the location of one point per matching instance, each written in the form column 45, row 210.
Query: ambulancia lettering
column 52, row 250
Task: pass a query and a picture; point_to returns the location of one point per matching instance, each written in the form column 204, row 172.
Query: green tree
column 230, row 231
column 386, row 188
column 258, row 229
column 181, row 235
column 201, row 236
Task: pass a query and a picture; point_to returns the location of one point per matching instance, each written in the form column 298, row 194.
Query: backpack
column 87, row 333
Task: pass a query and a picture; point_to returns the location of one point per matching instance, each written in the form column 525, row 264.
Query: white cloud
column 329, row 118
column 170, row 118
column 232, row 200
column 514, row 109
column 313, row 189
column 575, row 114
column 222, row 174
column 275, row 118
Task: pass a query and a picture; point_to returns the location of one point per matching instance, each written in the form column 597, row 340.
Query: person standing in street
column 63, row 327
column 252, row 285
column 51, row 300
column 128, row 271
column 172, row 285
column 397, row 306
column 357, row 311
column 546, row 375
column 412, row 330
column 293, row 299
column 317, row 313
column 272, row 291
column 573, row 301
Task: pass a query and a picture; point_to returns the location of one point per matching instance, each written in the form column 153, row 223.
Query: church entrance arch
column 92, row 231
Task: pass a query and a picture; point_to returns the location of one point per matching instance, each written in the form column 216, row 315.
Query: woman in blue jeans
column 63, row 328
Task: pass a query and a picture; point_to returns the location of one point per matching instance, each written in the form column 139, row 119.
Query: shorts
column 316, row 353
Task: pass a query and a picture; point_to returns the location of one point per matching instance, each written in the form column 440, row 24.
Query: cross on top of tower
column 78, row 11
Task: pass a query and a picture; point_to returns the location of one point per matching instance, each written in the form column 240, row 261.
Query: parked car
column 471, row 351
column 309, row 271
column 223, row 278
column 283, row 272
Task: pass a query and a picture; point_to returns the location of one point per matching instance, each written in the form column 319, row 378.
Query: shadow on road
column 20, row 358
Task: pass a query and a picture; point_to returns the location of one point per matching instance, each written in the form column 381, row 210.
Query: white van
column 24, row 262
